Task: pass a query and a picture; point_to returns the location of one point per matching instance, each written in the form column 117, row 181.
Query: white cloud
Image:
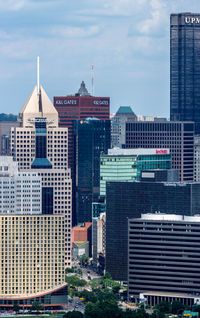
column 158, row 16
column 12, row 5
column 75, row 32
column 114, row 7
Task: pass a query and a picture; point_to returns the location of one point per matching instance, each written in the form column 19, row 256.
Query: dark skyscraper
column 92, row 138
column 185, row 68
column 79, row 106
column 128, row 200
column 76, row 107
column 176, row 136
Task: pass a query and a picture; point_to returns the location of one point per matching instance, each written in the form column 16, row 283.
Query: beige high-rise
column 51, row 165
column 32, row 254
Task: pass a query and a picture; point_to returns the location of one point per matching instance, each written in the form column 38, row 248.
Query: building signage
column 41, row 120
column 161, row 151
column 100, row 102
column 192, row 20
column 66, row 102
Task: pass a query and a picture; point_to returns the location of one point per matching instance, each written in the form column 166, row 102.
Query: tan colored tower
column 40, row 145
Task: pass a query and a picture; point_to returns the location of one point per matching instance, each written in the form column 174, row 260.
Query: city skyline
column 127, row 41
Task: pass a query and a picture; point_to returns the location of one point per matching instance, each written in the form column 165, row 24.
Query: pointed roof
column 83, row 90
column 125, row 110
column 38, row 106
column 32, row 103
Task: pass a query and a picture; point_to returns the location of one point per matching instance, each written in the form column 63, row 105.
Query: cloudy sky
column 126, row 40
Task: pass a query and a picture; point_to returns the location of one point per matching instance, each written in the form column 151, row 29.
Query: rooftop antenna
column 92, row 74
column 38, row 75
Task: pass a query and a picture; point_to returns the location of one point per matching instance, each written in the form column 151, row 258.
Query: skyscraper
column 41, row 146
column 92, row 140
column 127, row 164
column 185, row 68
column 178, row 137
column 128, row 200
column 118, row 125
column 78, row 107
column 35, row 206
column 163, row 258
column 20, row 192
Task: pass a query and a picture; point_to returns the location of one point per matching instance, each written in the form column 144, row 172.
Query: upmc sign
column 162, row 151
column 192, row 20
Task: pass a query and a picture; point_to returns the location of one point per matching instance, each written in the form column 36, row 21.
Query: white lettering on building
column 66, row 102
column 100, row 102
column 41, row 120
column 192, row 20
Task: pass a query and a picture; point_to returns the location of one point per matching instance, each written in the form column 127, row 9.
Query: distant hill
column 8, row 117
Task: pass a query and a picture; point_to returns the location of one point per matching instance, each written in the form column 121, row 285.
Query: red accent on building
column 161, row 151
column 82, row 233
column 72, row 108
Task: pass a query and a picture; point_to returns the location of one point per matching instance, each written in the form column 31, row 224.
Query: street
column 75, row 304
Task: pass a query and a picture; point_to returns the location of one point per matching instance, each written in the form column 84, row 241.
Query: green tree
column 16, row 308
column 157, row 314
column 75, row 281
column 69, row 270
column 105, row 309
column 141, row 313
column 164, row 307
column 197, row 308
column 93, row 311
column 129, row 314
column 36, row 306
column 84, row 260
column 88, row 296
column 116, row 289
column 94, row 283
column 107, row 276
column 177, row 307
column 79, row 272
column 73, row 314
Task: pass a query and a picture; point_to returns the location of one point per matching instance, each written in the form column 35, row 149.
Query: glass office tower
column 92, row 138
column 127, row 164
column 185, row 68
column 129, row 200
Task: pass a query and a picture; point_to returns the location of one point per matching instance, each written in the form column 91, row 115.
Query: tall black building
column 128, row 200
column 185, row 68
column 164, row 254
column 176, row 136
column 92, row 138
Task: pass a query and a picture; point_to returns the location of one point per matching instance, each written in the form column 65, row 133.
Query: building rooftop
column 127, row 152
column 125, row 110
column 82, row 90
column 169, row 217
column 38, row 105
column 154, row 293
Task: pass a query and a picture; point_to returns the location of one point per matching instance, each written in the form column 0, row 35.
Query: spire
column 38, row 75
column 38, row 105
column 83, row 90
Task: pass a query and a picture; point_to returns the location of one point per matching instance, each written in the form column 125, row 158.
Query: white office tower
column 98, row 238
column 197, row 158
column 39, row 145
column 20, row 193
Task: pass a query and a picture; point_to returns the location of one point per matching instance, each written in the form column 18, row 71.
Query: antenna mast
column 92, row 74
column 38, row 75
